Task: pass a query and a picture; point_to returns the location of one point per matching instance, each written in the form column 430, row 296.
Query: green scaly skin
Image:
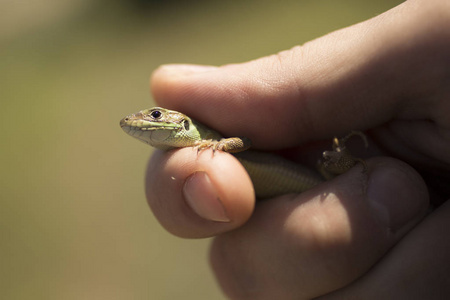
column 271, row 175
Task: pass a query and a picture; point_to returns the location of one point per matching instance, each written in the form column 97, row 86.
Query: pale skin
column 359, row 236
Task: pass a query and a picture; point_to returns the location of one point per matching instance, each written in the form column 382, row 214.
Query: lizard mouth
column 129, row 124
column 149, row 132
column 144, row 134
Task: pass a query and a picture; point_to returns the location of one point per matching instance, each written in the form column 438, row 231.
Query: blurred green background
column 74, row 220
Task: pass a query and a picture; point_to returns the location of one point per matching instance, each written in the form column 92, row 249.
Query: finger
column 417, row 268
column 322, row 240
column 355, row 78
column 198, row 194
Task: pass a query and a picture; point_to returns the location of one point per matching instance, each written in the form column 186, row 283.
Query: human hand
column 352, row 237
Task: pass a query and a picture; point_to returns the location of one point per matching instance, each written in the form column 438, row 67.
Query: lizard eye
column 156, row 114
column 186, row 124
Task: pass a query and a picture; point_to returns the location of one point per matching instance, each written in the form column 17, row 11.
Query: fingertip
column 171, row 70
column 172, row 82
column 198, row 194
column 398, row 194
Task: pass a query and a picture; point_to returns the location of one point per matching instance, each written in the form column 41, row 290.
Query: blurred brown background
column 74, row 220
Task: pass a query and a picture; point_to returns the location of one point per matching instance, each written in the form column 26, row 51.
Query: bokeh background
column 74, row 220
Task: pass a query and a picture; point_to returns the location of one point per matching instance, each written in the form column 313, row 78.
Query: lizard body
column 271, row 175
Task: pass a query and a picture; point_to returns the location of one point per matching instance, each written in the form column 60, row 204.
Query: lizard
column 270, row 174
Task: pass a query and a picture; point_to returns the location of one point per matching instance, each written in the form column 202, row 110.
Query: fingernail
column 186, row 69
column 202, row 197
column 396, row 195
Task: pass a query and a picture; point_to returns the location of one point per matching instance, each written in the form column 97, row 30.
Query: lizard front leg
column 230, row 145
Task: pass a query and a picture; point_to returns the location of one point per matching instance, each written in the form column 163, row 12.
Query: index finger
column 355, row 78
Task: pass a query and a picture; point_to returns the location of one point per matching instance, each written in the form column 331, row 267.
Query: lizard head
column 161, row 128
